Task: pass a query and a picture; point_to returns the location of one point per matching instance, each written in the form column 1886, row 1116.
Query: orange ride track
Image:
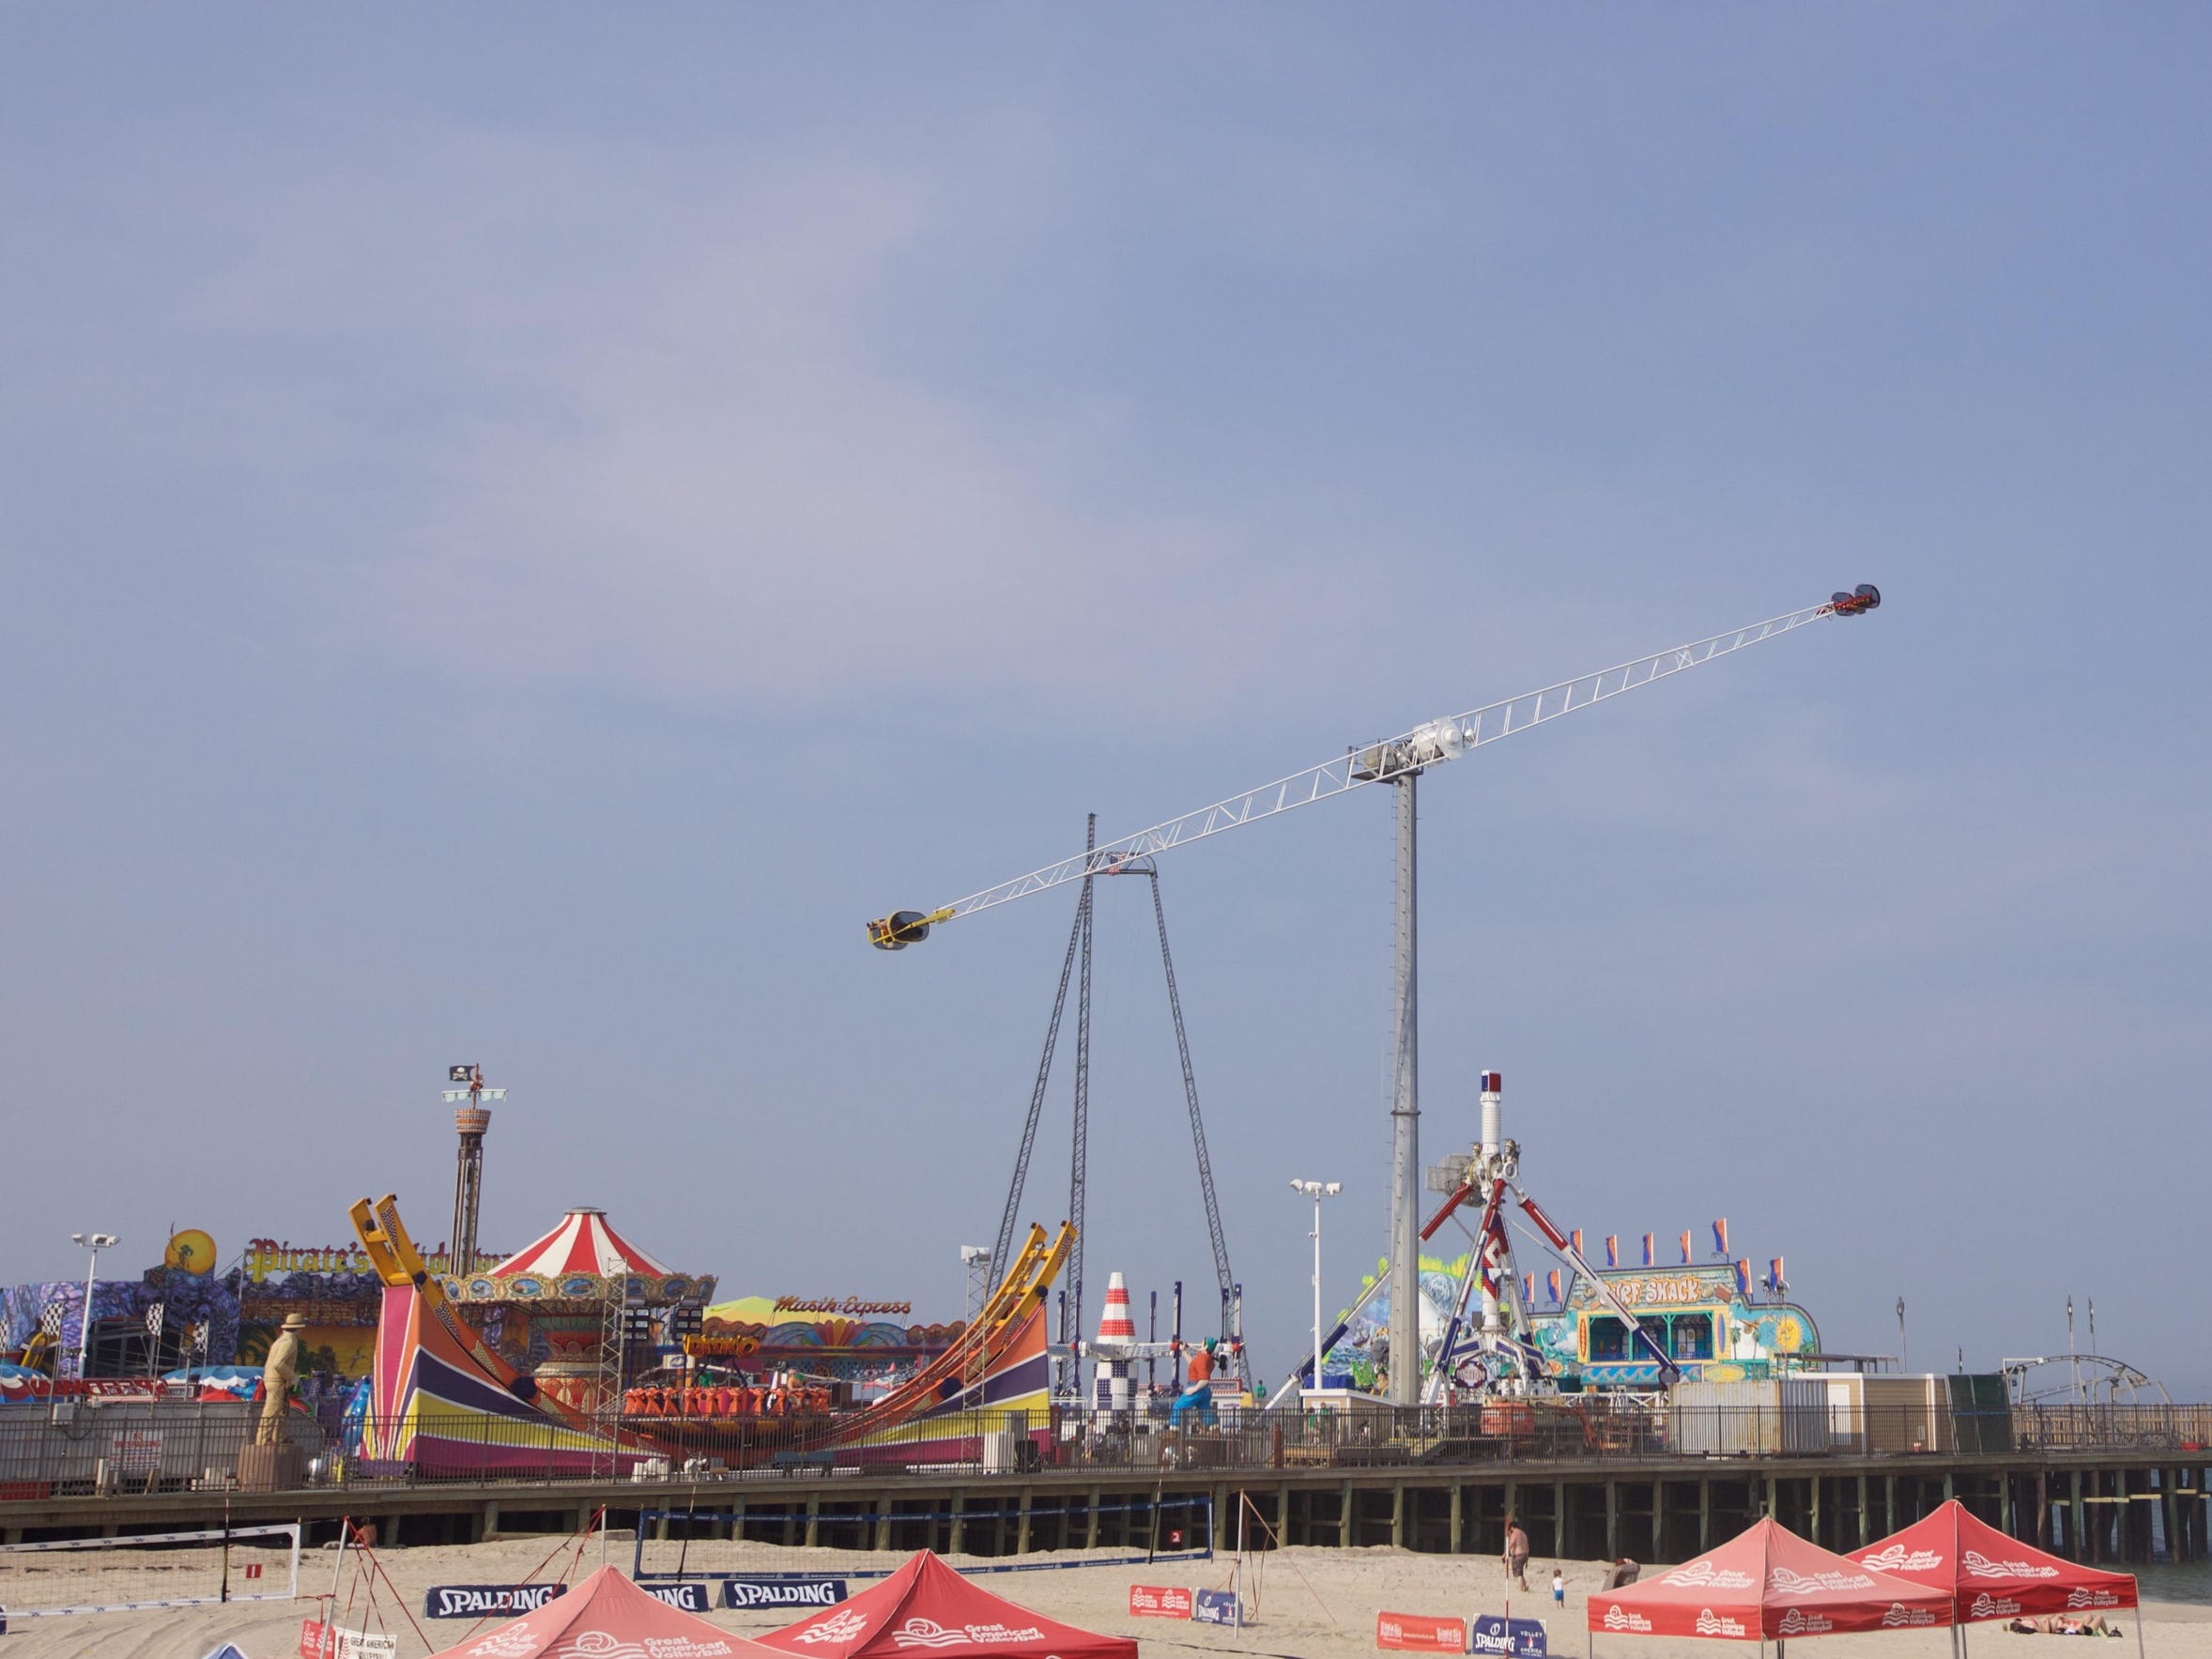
column 441, row 1401
column 999, row 1365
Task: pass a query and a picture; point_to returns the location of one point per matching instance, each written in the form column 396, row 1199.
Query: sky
column 522, row 528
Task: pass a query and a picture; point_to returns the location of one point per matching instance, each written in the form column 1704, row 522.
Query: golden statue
column 279, row 1373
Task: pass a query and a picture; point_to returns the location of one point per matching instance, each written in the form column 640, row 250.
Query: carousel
column 544, row 1308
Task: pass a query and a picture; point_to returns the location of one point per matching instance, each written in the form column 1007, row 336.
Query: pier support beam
column 957, row 1542
column 1458, row 1518
column 1704, row 1514
column 1612, row 1520
column 1865, row 1519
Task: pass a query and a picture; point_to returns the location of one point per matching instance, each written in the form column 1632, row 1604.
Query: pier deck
column 2098, row 1504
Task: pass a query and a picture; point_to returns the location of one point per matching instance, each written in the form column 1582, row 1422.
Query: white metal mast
column 1398, row 761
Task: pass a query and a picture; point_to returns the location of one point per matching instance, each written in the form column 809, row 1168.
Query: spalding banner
column 782, row 1592
column 478, row 1601
column 1215, row 1607
column 1507, row 1638
column 688, row 1598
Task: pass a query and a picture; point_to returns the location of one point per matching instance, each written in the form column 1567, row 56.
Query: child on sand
column 1559, row 1586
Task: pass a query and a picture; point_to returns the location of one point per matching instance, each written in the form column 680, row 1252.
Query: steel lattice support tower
column 1232, row 1312
column 1071, row 1329
column 1075, row 968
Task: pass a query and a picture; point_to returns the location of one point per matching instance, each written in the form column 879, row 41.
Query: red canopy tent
column 607, row 1615
column 1768, row 1582
column 1990, row 1574
column 926, row 1606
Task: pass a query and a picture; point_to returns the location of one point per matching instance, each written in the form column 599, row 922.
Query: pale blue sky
column 522, row 528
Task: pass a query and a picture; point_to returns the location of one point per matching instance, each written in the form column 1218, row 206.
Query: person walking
column 1517, row 1553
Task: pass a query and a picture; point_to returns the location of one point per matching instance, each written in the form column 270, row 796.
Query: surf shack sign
column 1687, row 1287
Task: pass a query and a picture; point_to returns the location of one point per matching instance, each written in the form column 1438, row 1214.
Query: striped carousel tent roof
column 582, row 1243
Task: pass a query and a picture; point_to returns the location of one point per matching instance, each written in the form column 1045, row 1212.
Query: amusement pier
column 1639, row 1396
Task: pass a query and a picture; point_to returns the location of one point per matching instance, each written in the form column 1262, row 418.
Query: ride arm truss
column 1561, row 1241
column 1427, row 745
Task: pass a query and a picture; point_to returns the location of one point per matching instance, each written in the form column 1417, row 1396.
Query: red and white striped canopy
column 582, row 1243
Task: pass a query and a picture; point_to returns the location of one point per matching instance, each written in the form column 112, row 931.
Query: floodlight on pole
column 1317, row 1191
column 95, row 1242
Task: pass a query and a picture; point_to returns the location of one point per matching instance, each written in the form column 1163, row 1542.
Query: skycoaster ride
column 1398, row 761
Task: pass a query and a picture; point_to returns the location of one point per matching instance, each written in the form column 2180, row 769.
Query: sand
column 1313, row 1604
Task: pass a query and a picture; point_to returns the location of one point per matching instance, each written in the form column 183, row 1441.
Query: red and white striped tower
column 1117, row 1330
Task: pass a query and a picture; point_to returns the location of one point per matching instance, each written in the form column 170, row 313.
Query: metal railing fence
column 76, row 1447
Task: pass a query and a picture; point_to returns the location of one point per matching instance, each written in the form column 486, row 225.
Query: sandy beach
column 1311, row 1604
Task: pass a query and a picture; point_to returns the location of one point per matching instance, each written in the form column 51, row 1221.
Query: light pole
column 95, row 1242
column 1317, row 1191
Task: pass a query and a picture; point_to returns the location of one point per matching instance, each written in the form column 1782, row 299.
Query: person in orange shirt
column 1197, row 1397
